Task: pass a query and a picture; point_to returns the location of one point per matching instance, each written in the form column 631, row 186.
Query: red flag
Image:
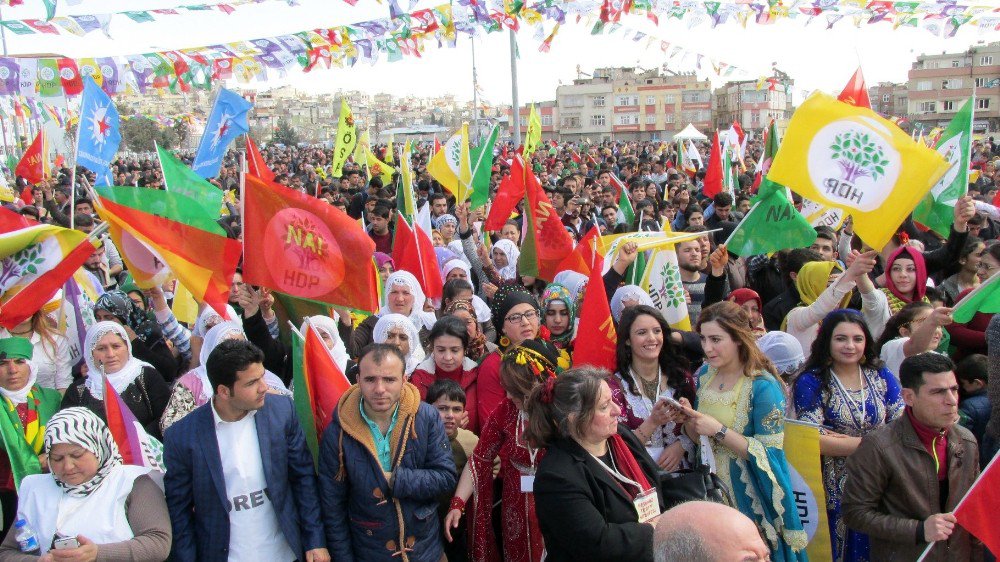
column 977, row 510
column 437, row 145
column 546, row 241
column 740, row 135
column 596, row 340
column 32, row 166
column 120, row 425
column 325, row 382
column 511, row 191
column 306, row 248
column 255, row 162
column 855, row 92
column 713, row 176
column 413, row 251
column 27, row 196
column 585, row 254
column 69, row 74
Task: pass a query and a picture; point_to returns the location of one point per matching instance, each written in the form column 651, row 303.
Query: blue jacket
column 974, row 414
column 368, row 518
column 196, row 487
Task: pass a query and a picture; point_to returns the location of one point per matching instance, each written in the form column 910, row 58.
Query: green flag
column 984, row 298
column 481, row 158
column 406, row 202
column 178, row 178
column 626, row 215
column 772, row 224
column 937, row 209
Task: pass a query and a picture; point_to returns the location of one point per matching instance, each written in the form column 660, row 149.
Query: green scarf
column 42, row 404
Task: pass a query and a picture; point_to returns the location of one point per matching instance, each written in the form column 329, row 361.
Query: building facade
column 938, row 85
column 889, row 99
column 754, row 103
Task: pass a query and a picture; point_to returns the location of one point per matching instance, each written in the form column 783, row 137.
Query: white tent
column 690, row 133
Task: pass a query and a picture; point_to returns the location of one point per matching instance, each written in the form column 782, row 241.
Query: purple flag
column 9, row 76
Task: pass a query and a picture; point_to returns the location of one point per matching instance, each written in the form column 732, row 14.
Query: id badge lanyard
column 646, row 505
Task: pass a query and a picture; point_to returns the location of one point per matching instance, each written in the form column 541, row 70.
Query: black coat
column 583, row 512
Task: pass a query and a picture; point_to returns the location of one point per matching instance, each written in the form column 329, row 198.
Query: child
column 448, row 397
column 974, row 409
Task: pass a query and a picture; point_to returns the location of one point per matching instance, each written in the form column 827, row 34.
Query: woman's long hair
column 672, row 363
column 820, row 357
column 736, row 322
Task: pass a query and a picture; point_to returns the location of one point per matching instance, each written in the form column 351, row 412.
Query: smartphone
column 65, row 543
column 671, row 402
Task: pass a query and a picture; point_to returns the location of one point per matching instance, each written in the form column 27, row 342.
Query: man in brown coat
column 905, row 479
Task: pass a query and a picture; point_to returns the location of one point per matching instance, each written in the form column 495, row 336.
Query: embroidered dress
column 849, row 412
column 637, row 407
column 759, row 484
column 522, row 539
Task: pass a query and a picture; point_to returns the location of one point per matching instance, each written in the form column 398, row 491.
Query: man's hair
column 435, row 196
column 975, row 367
column 684, row 542
column 911, row 371
column 228, row 358
column 723, row 199
column 447, row 388
column 379, row 352
column 827, row 233
column 84, row 221
column 83, row 200
column 382, row 210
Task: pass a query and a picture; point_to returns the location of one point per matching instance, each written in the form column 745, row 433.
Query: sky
column 815, row 57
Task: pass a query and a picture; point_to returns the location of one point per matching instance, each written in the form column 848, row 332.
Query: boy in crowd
column 448, row 397
column 974, row 409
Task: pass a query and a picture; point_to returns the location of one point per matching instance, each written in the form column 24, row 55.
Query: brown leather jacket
column 892, row 487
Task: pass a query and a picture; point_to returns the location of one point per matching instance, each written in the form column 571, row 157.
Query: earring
column 504, row 341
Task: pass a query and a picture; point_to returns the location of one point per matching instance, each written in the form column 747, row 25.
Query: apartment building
column 938, row 85
column 889, row 99
column 754, row 103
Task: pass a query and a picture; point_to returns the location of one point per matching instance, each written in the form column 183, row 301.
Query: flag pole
column 961, row 501
column 72, row 182
column 156, row 149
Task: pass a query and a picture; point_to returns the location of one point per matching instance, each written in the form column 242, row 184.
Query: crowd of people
column 469, row 434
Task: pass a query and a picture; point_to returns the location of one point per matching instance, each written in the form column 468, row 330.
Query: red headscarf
column 920, row 285
column 741, row 296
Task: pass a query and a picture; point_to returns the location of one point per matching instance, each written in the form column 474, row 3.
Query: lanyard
column 852, row 405
column 532, row 452
column 613, row 471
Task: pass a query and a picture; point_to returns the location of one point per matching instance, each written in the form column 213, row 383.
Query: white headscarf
column 21, row 396
column 512, row 252
column 218, row 334
column 389, row 321
column 456, row 263
column 329, row 326
column 417, row 316
column 628, row 292
column 483, row 313
column 124, row 377
column 210, row 315
column 573, row 281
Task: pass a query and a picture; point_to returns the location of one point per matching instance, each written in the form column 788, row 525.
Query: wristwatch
column 720, row 435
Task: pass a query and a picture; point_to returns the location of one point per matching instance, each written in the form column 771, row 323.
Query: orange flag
column 585, row 255
column 855, row 92
column 255, row 162
column 596, row 339
column 33, row 165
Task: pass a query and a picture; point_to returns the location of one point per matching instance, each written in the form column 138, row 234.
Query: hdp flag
column 452, row 166
column 227, row 121
column 100, row 132
column 772, row 224
column 347, row 138
column 319, row 384
column 662, row 282
column 34, row 164
column 801, row 445
column 178, row 178
column 546, row 241
column 178, row 234
column 937, row 209
column 306, row 248
column 481, row 158
column 849, row 157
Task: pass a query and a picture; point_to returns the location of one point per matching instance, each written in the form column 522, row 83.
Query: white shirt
column 254, row 533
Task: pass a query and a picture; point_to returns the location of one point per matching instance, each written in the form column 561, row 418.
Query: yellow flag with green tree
column 347, row 138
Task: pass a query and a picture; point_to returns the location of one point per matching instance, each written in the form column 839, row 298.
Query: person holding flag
column 27, row 407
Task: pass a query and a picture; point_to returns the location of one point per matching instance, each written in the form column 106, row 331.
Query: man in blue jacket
column 384, row 461
column 241, row 483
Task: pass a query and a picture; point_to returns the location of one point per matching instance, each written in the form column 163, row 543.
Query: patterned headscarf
column 512, row 252
column 556, row 292
column 574, row 282
column 506, row 298
column 210, row 316
column 80, row 426
column 389, row 321
column 631, row 293
column 445, row 219
column 118, row 303
column 477, row 343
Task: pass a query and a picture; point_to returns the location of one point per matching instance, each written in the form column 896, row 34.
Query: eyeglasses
column 517, row 318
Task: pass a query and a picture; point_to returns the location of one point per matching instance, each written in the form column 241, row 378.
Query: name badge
column 646, row 505
column 527, row 483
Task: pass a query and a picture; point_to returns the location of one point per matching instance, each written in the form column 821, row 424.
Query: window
column 951, row 84
column 925, row 85
column 597, row 121
column 696, row 96
column 628, row 119
column 947, row 106
column 755, row 117
column 572, row 101
column 570, row 122
column 546, row 120
column 670, row 118
column 650, row 100
column 886, row 98
column 626, row 100
column 669, row 99
column 928, row 107
column 986, row 61
column 981, row 82
column 933, row 64
column 983, row 103
column 651, row 119
column 598, row 101
column 956, row 64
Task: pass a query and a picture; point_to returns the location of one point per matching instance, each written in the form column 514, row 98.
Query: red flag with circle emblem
column 304, row 247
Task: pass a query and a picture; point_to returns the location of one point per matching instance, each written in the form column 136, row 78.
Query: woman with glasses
column 846, row 390
column 516, row 319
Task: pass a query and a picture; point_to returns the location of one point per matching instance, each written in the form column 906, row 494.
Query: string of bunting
column 407, row 35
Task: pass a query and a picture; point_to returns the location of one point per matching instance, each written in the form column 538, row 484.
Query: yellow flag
column 389, row 154
column 347, row 138
column 185, row 308
column 842, row 156
column 662, row 281
column 379, row 168
column 451, row 166
column 806, row 473
column 405, row 200
column 534, row 136
column 360, row 147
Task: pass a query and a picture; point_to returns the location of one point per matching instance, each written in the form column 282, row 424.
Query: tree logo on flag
column 854, row 164
column 952, row 152
column 306, row 259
